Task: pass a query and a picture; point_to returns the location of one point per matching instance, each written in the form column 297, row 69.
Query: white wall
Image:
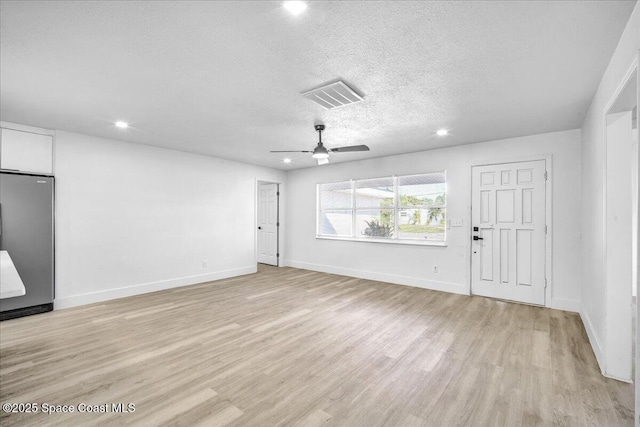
column 133, row 218
column 593, row 291
column 619, row 246
column 412, row 265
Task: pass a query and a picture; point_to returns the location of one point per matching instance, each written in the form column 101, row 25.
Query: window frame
column 396, row 208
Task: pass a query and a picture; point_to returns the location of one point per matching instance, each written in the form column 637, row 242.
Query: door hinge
column 277, row 255
column 545, row 282
column 277, row 193
column 546, row 175
column 277, row 224
column 545, row 229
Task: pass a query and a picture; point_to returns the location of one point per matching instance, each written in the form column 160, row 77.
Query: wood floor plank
column 317, row 418
column 222, row 418
column 179, row 407
column 290, row 347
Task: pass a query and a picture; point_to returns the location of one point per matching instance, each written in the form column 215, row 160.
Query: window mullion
column 353, row 208
column 396, row 213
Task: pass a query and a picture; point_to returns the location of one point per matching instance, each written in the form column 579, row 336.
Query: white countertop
column 10, row 282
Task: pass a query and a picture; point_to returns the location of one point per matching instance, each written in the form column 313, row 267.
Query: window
column 336, row 209
column 404, row 209
column 375, row 199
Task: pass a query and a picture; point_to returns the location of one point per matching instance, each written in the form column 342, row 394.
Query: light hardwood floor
column 297, row 348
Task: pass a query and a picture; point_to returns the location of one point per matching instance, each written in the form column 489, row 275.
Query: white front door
column 268, row 224
column 508, row 220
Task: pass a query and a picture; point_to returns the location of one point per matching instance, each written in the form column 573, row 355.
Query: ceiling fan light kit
column 318, row 153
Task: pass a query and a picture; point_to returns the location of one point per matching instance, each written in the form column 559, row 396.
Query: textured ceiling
column 224, row 78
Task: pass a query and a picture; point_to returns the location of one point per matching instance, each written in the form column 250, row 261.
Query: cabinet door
column 25, row 151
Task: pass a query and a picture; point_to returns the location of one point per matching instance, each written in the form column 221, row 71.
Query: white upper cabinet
column 26, row 151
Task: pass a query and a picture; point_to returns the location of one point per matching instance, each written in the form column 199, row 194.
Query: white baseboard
column 565, row 304
column 143, row 288
column 593, row 338
column 613, row 377
column 416, row 282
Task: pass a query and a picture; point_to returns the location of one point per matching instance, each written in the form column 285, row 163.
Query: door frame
column 601, row 354
column 280, row 214
column 548, row 272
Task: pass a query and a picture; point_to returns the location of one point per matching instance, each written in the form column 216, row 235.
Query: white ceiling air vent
column 333, row 95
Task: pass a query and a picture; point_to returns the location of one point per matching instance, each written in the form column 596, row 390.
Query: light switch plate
column 457, row 222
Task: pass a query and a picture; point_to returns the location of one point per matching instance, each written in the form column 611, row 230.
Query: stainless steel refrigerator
column 26, row 233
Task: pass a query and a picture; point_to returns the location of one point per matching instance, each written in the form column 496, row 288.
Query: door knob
column 477, row 238
column 259, row 228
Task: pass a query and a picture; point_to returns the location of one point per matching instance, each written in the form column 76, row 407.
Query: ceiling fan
column 322, row 153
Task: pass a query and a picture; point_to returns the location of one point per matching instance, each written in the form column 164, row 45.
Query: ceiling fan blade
column 323, row 161
column 291, row 151
column 349, row 148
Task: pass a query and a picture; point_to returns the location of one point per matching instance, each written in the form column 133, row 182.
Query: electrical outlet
column 435, row 269
column 204, row 263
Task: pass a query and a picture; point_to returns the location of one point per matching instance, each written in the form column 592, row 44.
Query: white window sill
column 387, row 241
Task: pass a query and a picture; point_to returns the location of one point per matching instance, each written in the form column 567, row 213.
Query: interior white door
column 268, row 224
column 508, row 220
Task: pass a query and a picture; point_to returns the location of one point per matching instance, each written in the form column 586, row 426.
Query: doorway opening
column 268, row 223
column 620, row 229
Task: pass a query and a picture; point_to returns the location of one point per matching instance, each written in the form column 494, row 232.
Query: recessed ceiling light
column 442, row 132
column 295, row 7
column 287, row 160
column 122, row 125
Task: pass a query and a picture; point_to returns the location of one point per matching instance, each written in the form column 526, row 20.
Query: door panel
column 487, row 258
column 504, row 255
column 268, row 224
column 508, row 208
column 485, row 202
column 524, row 255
